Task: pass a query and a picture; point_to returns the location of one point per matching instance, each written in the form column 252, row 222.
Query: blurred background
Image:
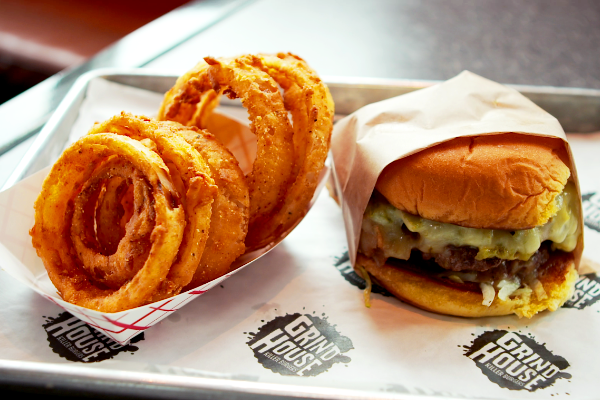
column 39, row 38
column 533, row 42
column 537, row 42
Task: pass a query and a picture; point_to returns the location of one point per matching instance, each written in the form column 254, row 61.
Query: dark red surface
column 38, row 38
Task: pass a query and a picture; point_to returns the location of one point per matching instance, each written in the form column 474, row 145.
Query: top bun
column 504, row 181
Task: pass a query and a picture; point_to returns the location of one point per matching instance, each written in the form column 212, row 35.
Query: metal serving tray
column 578, row 110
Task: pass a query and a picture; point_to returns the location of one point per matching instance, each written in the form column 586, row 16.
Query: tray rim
column 81, row 83
column 157, row 385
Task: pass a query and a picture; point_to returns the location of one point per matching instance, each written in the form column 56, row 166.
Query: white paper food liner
column 103, row 100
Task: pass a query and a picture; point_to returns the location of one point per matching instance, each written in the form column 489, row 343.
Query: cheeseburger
column 476, row 226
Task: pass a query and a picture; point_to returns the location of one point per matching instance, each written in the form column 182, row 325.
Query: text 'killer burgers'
column 475, row 226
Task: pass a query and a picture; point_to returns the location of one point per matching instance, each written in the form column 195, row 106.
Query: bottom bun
column 405, row 281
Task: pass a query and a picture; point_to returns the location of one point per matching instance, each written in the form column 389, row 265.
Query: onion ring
column 193, row 181
column 114, row 209
column 112, row 268
column 312, row 109
column 229, row 221
column 289, row 160
column 54, row 210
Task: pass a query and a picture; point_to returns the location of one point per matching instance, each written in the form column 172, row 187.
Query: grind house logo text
column 73, row 339
column 587, row 288
column 591, row 210
column 586, row 293
column 297, row 344
column 515, row 361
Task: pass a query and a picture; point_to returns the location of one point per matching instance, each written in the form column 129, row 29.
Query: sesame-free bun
column 422, row 289
column 503, row 181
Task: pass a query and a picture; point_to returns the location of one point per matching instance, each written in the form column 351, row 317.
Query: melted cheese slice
column 397, row 232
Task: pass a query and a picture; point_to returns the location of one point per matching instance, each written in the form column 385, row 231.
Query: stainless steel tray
column 577, row 109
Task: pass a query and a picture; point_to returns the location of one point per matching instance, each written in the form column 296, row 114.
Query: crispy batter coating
column 54, row 210
column 289, row 157
column 192, row 179
column 117, row 267
column 231, row 209
column 228, row 222
column 131, row 213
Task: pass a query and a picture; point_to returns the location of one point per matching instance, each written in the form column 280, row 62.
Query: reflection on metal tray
column 578, row 110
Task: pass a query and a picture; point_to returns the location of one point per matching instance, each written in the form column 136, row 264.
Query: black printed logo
column 73, row 339
column 343, row 265
column 587, row 292
column 516, row 362
column 297, row 344
column 591, row 210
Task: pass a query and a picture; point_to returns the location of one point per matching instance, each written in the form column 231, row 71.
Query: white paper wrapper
column 366, row 141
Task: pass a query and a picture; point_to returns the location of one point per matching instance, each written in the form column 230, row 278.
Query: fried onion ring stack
column 140, row 209
column 135, row 211
column 290, row 156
